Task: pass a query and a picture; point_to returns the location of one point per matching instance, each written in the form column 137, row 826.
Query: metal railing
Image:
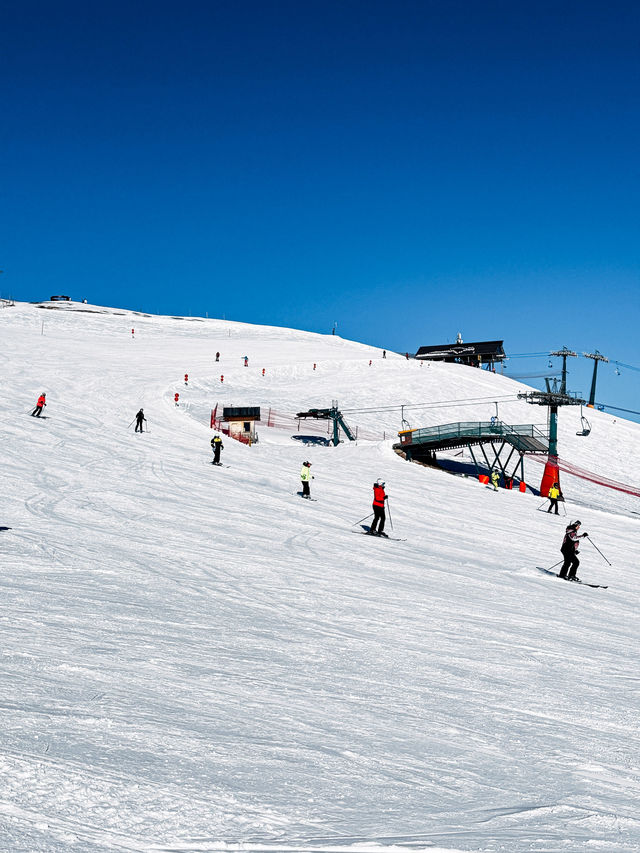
column 470, row 429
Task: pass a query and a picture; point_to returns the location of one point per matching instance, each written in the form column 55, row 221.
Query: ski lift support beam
column 553, row 400
column 564, row 353
column 596, row 356
column 333, row 414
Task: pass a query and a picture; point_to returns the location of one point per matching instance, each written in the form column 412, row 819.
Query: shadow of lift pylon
column 333, row 414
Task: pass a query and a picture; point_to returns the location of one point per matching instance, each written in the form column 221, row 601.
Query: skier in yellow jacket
column 554, row 494
column 305, row 476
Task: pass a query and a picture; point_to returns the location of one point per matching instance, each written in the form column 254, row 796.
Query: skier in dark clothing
column 379, row 517
column 570, row 552
column 140, row 418
column 42, row 402
column 216, row 446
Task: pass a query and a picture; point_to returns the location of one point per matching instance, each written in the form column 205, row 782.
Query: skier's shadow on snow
column 5, row 528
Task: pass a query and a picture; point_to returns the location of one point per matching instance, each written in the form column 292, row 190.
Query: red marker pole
column 133, row 332
column 176, row 397
column 222, row 378
column 186, row 379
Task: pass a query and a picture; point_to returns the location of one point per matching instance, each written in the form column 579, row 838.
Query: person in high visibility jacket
column 306, row 477
column 216, row 446
column 42, row 402
column 495, row 479
column 554, row 494
column 379, row 516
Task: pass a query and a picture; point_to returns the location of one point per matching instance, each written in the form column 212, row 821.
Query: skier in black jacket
column 570, row 552
column 216, row 446
column 140, row 418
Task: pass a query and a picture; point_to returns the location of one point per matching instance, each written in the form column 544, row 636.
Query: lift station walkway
column 422, row 444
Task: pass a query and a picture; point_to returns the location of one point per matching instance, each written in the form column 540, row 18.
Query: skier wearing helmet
column 379, row 517
column 569, row 551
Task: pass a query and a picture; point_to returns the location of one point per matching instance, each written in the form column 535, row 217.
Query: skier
column 570, row 552
column 379, row 516
column 217, row 356
column 216, row 446
column 139, row 419
column 42, row 402
column 246, row 360
column 495, row 479
column 384, row 353
column 554, row 495
column 305, row 476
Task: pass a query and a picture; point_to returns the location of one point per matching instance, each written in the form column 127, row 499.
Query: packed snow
column 195, row 659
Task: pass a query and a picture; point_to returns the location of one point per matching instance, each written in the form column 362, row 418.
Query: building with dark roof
column 479, row 354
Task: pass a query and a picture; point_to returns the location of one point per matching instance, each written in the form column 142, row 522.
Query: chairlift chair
column 586, row 426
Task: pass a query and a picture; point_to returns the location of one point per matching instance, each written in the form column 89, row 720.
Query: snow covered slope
column 194, row 659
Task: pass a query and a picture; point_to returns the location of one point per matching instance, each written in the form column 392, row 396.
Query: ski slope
column 194, row 659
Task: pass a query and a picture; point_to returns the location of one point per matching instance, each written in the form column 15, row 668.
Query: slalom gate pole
column 355, row 523
column 389, row 511
column 599, row 551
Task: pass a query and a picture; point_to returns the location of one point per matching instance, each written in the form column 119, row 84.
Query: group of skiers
column 570, row 542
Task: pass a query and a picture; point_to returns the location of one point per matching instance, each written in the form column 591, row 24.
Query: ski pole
column 598, row 550
column 543, row 503
column 389, row 511
column 132, row 423
column 554, row 565
column 362, row 519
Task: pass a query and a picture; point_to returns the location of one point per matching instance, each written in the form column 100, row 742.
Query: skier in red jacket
column 42, row 402
column 379, row 517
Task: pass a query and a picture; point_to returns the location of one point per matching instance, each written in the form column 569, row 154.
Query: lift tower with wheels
column 335, row 416
column 564, row 353
column 553, row 400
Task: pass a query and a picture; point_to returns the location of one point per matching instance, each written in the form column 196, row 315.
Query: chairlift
column 584, row 423
column 617, row 371
column 550, row 363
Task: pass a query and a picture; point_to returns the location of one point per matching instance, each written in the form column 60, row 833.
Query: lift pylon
column 596, row 356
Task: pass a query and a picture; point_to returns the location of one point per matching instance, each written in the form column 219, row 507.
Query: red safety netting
column 583, row 474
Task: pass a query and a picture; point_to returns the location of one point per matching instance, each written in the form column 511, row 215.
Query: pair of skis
column 365, row 532
column 582, row 583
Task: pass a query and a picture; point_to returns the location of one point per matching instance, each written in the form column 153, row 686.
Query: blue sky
column 408, row 170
